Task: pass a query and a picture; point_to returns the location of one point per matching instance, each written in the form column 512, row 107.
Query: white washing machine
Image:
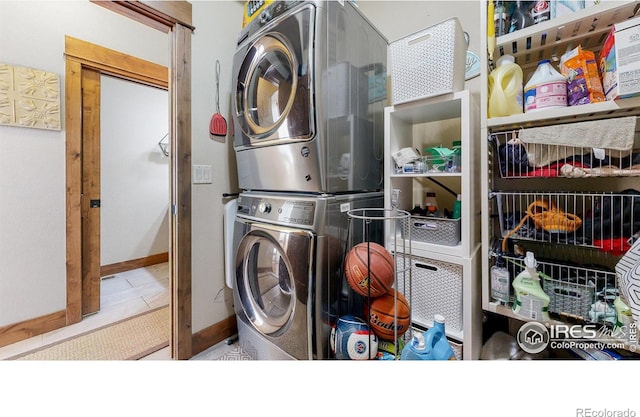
column 288, row 280
column 308, row 104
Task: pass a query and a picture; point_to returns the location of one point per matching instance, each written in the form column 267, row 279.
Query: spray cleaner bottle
column 623, row 318
column 530, row 299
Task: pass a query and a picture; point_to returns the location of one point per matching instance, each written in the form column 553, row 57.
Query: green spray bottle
column 530, row 299
column 623, row 318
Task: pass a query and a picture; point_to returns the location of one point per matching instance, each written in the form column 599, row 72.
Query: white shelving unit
column 439, row 121
column 549, row 40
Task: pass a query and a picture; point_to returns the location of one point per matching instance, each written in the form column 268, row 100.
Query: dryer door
column 272, row 100
column 273, row 269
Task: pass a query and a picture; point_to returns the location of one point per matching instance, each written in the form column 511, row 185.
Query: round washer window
column 266, row 289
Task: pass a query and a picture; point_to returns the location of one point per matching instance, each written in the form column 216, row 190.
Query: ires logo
column 534, row 337
column 576, row 331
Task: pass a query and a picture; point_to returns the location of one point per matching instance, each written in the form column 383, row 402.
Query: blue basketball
column 351, row 338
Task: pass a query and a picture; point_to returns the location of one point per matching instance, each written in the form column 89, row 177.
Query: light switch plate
column 202, row 174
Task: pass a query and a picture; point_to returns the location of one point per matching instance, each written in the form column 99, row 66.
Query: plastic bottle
column 505, row 88
column 500, row 18
column 417, row 211
column 546, row 89
column 521, row 17
column 500, row 287
column 530, row 300
column 415, row 349
column 430, row 200
column 457, row 207
column 432, row 211
column 623, row 318
column 436, row 338
column 430, row 345
column 456, row 157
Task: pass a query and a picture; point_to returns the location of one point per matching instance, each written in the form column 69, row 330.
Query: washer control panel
column 278, row 210
column 253, row 9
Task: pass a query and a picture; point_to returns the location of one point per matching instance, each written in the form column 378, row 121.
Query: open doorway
column 134, row 195
column 174, row 18
column 84, row 92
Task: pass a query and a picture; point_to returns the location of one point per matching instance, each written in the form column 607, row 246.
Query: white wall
column 134, row 174
column 32, row 161
column 217, row 26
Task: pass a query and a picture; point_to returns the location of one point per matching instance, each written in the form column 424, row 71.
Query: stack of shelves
column 445, row 275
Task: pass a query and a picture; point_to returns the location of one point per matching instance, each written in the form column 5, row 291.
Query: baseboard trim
column 200, row 341
column 213, row 334
column 33, row 327
column 116, row 268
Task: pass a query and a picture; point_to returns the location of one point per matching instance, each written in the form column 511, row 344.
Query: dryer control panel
column 263, row 11
column 277, row 210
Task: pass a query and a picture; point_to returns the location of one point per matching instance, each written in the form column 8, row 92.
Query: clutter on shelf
column 604, row 221
column 581, row 76
column 594, row 148
column 436, row 159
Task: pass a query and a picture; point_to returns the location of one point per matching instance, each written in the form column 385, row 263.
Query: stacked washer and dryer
column 308, row 119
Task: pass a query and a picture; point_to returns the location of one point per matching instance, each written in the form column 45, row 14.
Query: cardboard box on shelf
column 619, row 60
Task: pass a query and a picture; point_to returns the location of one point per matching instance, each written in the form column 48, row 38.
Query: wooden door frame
column 90, row 189
column 174, row 18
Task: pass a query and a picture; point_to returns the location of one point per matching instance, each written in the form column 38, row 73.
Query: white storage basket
column 440, row 231
column 428, row 63
column 436, row 289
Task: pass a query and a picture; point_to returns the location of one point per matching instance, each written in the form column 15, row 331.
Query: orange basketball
column 369, row 269
column 382, row 315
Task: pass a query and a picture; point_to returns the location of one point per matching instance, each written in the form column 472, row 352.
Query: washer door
column 272, row 97
column 273, row 269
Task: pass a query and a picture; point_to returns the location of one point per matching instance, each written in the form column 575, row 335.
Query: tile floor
column 122, row 295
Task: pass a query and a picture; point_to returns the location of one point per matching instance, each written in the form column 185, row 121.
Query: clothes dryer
column 308, row 104
column 288, row 282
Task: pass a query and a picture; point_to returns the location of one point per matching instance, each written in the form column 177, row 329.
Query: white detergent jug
column 546, row 89
column 505, row 88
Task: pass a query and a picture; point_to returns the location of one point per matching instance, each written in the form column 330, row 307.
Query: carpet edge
column 88, row 332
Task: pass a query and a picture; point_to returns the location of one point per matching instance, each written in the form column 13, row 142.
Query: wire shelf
column 533, row 160
column 605, row 221
column 576, row 292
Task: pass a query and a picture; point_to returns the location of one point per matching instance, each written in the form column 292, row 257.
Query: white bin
column 428, row 63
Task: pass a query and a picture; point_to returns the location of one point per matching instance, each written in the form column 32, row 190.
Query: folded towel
column 617, row 134
column 547, row 144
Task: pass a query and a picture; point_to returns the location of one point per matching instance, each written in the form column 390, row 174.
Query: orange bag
column 583, row 79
